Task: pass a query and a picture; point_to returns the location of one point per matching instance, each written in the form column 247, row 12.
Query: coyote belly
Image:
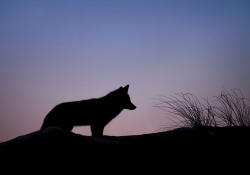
column 94, row 112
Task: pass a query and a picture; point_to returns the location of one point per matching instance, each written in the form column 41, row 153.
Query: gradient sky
column 58, row 51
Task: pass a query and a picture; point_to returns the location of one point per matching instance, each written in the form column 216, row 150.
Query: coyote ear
column 126, row 88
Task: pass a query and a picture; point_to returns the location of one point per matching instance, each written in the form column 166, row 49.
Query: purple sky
column 58, row 51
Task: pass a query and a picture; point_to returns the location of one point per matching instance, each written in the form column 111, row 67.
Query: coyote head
column 126, row 99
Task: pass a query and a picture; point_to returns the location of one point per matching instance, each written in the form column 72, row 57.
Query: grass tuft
column 234, row 110
column 188, row 111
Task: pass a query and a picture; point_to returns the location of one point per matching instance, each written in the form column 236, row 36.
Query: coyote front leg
column 97, row 130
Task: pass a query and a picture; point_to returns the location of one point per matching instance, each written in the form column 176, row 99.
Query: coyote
column 97, row 112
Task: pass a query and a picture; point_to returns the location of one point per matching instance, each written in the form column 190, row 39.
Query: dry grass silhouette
column 186, row 110
column 234, row 110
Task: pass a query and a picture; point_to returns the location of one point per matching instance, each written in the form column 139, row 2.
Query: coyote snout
column 130, row 106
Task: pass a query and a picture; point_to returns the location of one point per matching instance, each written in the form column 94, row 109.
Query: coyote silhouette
column 96, row 112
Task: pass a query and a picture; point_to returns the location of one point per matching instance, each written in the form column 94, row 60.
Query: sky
column 69, row 50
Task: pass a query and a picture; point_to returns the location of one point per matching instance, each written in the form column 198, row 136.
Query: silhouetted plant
column 189, row 109
column 233, row 111
column 189, row 112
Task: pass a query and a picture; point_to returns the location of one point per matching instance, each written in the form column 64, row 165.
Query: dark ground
column 53, row 150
